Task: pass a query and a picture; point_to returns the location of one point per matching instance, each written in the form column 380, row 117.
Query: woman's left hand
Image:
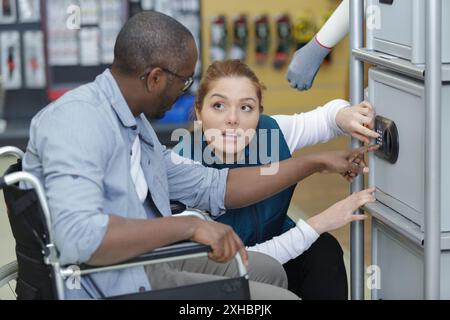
column 358, row 121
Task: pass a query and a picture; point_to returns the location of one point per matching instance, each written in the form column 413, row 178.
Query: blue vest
column 268, row 218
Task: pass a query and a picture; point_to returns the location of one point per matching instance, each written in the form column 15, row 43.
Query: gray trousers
column 268, row 280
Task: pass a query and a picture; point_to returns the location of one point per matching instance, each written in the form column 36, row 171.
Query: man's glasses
column 187, row 81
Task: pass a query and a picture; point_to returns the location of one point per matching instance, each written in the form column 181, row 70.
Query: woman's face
column 230, row 114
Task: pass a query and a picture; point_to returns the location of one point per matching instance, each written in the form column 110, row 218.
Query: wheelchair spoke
column 12, row 290
column 8, row 276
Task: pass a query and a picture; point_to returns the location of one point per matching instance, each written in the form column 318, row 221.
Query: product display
column 29, row 11
column 304, row 30
column 34, row 59
column 147, row 4
column 62, row 36
column 240, row 40
column 89, row 12
column 164, row 6
column 10, row 59
column 262, row 39
column 89, row 49
column 219, row 38
column 112, row 18
column 8, row 12
column 282, row 54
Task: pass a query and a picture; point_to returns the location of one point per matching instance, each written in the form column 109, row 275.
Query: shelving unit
column 413, row 259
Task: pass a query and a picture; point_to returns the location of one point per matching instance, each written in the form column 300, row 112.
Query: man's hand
column 341, row 213
column 348, row 163
column 225, row 243
column 358, row 121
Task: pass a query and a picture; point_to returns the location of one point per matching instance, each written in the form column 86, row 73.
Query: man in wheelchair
column 109, row 181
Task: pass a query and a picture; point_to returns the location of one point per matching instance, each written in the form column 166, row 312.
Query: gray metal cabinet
column 401, row 265
column 411, row 238
column 400, row 28
column 400, row 183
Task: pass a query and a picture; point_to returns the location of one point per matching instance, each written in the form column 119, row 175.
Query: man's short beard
column 158, row 116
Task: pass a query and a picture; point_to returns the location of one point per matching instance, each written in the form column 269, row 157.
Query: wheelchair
column 40, row 276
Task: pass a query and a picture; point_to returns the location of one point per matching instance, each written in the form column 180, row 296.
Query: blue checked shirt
column 79, row 149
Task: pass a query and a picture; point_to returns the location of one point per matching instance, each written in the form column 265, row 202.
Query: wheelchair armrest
column 179, row 209
column 178, row 251
column 194, row 213
column 175, row 250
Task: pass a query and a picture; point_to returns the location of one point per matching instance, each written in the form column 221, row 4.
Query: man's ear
column 154, row 78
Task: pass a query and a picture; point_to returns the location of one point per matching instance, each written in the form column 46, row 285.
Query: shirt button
column 141, row 289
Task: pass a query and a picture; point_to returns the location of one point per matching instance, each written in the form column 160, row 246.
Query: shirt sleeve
column 290, row 244
column 195, row 185
column 309, row 128
column 71, row 149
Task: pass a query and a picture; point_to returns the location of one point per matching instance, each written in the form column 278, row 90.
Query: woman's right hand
column 341, row 213
column 358, row 121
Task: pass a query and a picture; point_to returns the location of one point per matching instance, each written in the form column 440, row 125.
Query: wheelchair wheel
column 8, row 276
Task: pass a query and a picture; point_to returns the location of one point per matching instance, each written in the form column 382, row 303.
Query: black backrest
column 177, row 207
column 30, row 233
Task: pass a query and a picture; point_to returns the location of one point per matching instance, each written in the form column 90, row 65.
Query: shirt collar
column 110, row 88
column 146, row 131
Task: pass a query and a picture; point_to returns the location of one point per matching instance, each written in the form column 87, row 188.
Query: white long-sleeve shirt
column 300, row 130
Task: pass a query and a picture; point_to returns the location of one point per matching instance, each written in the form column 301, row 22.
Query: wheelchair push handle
column 11, row 151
